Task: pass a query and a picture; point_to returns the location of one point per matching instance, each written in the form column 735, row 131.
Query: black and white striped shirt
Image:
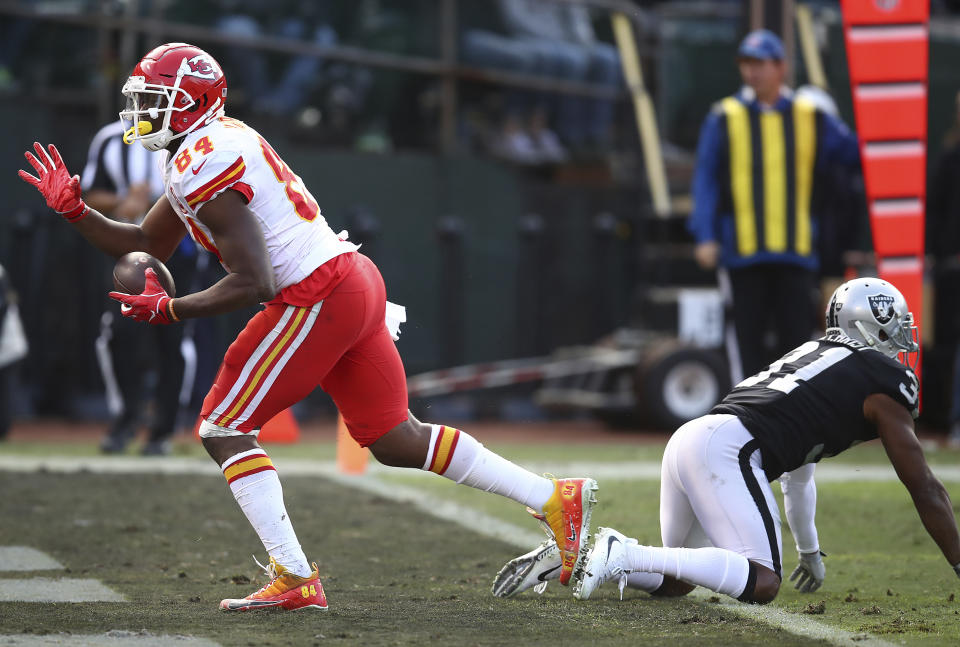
column 113, row 166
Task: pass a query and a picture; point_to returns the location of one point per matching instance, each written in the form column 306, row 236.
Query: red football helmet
column 179, row 81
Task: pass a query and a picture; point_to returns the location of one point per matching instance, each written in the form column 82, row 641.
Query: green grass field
column 174, row 545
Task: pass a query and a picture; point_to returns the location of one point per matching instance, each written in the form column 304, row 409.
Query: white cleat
column 530, row 570
column 607, row 560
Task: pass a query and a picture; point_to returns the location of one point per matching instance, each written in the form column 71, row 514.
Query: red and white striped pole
column 887, row 53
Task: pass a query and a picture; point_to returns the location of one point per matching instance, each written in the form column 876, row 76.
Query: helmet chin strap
column 869, row 340
column 163, row 138
column 156, row 141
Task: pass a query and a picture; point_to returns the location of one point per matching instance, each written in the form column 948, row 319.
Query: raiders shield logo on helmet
column 882, row 307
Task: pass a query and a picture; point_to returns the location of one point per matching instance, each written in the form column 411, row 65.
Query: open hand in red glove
column 153, row 305
column 58, row 187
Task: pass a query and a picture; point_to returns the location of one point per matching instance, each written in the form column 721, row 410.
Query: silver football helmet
column 874, row 313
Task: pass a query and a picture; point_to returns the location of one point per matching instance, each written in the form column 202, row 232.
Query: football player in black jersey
column 719, row 520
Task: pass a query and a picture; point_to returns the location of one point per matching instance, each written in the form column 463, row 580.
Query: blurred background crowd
column 485, row 152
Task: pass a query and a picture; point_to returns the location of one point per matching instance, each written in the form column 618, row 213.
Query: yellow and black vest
column 770, row 171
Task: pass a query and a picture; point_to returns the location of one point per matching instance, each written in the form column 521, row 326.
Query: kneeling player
column 720, row 523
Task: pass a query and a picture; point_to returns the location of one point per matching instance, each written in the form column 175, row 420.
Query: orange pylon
column 282, row 428
column 351, row 457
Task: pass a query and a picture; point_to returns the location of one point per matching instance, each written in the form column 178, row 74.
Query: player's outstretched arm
column 158, row 235
column 62, row 194
column 895, row 427
column 239, row 239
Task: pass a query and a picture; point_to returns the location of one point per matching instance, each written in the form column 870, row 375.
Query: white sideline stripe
column 114, row 638
column 24, row 558
column 631, row 471
column 624, row 471
column 447, row 510
column 479, row 522
column 108, row 465
column 825, row 472
column 46, row 589
column 798, row 625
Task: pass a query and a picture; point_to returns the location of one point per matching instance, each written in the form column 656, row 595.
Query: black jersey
column 809, row 403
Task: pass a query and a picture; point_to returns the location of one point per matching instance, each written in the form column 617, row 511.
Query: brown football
column 128, row 273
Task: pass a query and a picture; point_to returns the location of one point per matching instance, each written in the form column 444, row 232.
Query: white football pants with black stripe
column 713, row 492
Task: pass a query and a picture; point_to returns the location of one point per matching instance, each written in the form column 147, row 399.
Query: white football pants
column 713, row 491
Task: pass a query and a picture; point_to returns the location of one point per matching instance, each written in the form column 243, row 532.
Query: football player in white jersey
column 719, row 520
column 323, row 322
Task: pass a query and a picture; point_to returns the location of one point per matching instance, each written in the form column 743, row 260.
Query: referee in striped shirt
column 123, row 182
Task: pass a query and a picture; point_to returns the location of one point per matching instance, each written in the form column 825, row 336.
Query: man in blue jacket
column 758, row 157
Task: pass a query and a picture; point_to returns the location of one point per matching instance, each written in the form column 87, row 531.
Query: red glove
column 153, row 305
column 59, row 189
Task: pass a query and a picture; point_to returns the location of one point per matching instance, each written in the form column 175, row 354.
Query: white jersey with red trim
column 228, row 154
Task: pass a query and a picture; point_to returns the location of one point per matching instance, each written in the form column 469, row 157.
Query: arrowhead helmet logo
column 881, row 305
column 202, row 67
